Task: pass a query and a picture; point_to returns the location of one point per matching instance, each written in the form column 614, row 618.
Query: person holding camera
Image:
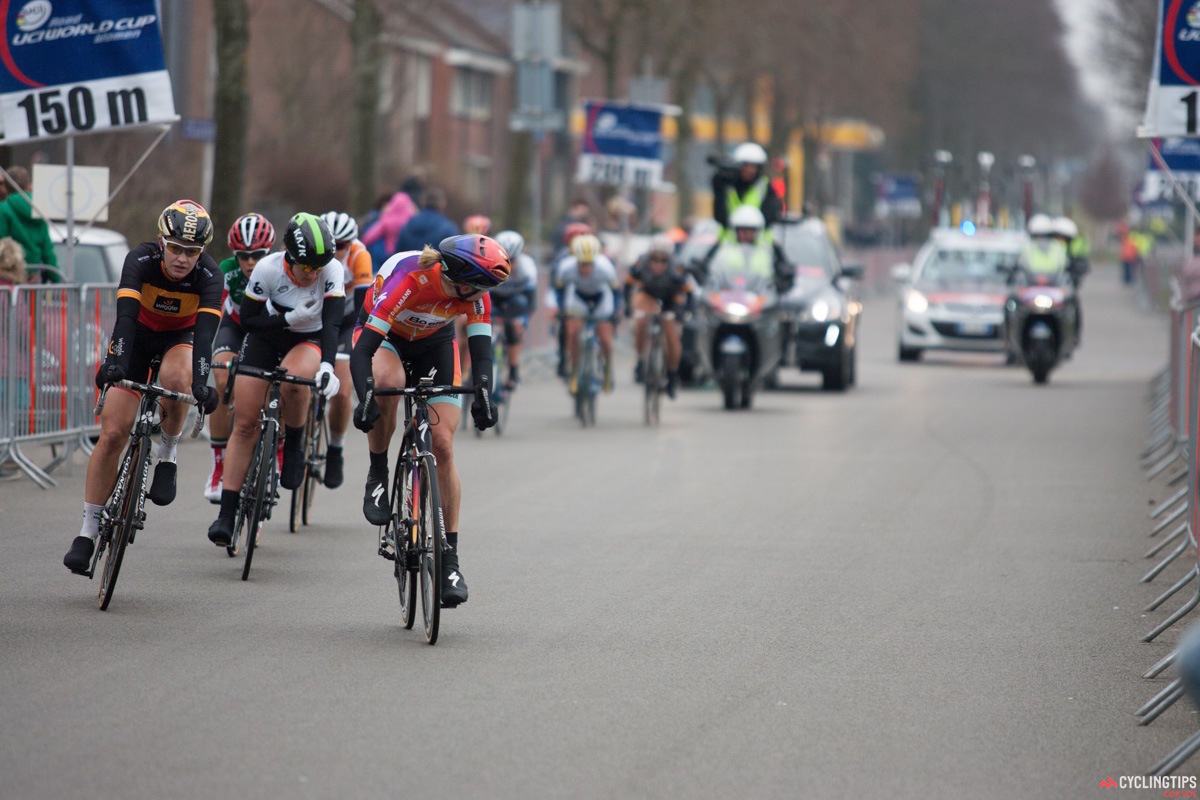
column 744, row 182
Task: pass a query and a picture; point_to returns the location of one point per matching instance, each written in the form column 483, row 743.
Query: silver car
column 952, row 297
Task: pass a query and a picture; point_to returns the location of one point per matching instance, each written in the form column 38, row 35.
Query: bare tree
column 231, row 25
column 1125, row 46
column 368, row 63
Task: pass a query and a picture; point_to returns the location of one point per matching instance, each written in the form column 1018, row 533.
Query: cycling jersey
column 270, row 281
column 524, row 279
column 411, row 303
column 602, row 276
column 166, row 304
column 357, row 273
column 664, row 286
column 235, row 286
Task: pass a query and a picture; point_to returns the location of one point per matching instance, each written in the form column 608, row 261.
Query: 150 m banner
column 80, row 66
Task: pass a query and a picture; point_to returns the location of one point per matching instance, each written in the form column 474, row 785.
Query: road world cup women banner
column 80, row 66
column 1173, row 103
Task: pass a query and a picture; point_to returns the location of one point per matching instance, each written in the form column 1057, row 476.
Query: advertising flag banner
column 1173, row 103
column 622, row 145
column 70, row 67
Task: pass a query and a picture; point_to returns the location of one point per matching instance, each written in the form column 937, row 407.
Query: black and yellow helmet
column 186, row 221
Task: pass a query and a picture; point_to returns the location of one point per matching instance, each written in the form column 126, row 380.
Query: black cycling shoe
column 454, row 586
column 162, row 488
column 79, row 558
column 333, row 468
column 375, row 500
column 639, row 371
column 292, row 474
column 672, row 384
column 220, row 532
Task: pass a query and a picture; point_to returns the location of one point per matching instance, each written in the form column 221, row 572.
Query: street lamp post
column 941, row 160
column 983, row 208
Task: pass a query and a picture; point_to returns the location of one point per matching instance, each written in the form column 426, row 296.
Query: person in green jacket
column 17, row 221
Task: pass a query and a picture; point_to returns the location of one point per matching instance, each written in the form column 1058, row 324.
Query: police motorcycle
column 740, row 335
column 1041, row 314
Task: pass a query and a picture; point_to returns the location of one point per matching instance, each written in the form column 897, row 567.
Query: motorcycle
column 1042, row 320
column 740, row 333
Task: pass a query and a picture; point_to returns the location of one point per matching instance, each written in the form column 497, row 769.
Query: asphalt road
column 926, row 587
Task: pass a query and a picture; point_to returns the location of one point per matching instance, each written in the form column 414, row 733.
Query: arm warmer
column 331, row 324
column 124, row 328
column 202, row 340
column 480, row 348
column 255, row 317
column 360, row 359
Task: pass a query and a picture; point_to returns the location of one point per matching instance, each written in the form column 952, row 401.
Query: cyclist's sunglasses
column 475, row 286
column 251, row 255
column 307, row 268
column 183, row 250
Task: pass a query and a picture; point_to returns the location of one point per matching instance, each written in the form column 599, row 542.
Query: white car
column 99, row 253
column 952, row 297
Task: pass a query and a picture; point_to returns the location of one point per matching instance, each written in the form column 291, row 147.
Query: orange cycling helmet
column 575, row 229
column 477, row 223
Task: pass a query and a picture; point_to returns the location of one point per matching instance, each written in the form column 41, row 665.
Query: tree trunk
column 368, row 61
column 517, row 192
column 231, row 110
column 684, row 137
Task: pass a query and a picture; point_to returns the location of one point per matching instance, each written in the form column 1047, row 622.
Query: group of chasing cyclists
column 318, row 309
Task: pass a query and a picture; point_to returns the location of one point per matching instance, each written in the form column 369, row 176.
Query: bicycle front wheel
column 314, row 466
column 123, row 513
column 259, row 497
column 431, row 536
column 404, row 513
column 653, row 378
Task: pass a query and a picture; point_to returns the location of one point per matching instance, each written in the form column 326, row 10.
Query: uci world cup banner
column 622, row 145
column 1173, row 103
column 71, row 67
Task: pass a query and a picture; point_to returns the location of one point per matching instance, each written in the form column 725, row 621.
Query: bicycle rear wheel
column 431, row 536
column 123, row 515
column 260, row 490
column 403, row 512
column 653, row 378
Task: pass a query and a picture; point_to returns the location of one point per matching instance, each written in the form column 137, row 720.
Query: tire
column 909, row 354
column 313, row 469
column 262, row 487
column 854, row 366
column 431, row 536
column 730, row 379
column 653, row 379
column 1041, row 361
column 837, row 377
column 406, row 579
column 125, row 505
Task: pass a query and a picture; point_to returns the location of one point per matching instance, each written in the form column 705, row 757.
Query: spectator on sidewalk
column 17, row 221
column 382, row 236
column 430, row 225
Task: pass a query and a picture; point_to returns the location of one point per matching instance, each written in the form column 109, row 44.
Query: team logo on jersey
column 167, row 304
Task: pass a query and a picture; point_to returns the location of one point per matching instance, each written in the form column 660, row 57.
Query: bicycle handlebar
column 421, row 391
column 158, row 391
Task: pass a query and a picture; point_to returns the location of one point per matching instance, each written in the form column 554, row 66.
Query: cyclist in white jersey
column 589, row 285
column 291, row 311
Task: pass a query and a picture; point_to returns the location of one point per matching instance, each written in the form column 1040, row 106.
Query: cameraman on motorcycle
column 744, row 182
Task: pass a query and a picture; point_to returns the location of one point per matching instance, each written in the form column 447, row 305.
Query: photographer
column 744, row 182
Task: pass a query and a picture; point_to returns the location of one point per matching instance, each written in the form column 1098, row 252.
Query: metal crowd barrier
column 1175, row 412
column 54, row 337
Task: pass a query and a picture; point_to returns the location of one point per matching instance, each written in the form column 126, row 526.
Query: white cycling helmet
column 1065, row 227
column 750, row 153
column 747, row 217
column 341, row 225
column 512, row 242
column 1040, row 225
column 661, row 243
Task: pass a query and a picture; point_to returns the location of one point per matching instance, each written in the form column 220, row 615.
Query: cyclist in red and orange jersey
column 406, row 334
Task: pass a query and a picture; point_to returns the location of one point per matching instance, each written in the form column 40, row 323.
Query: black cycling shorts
column 229, row 337
column 149, row 344
column 435, row 357
column 265, row 349
column 346, row 337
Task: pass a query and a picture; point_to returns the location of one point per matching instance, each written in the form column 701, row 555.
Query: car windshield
column 90, row 266
column 966, row 266
column 809, row 253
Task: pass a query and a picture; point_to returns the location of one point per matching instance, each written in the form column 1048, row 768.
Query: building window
column 471, row 96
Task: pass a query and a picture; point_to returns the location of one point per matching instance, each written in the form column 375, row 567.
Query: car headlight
column 819, row 311
column 825, row 308
column 916, row 302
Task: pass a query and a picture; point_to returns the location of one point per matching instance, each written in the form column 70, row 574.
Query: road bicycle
column 125, row 512
column 415, row 537
column 591, row 375
column 316, row 443
column 260, row 490
column 654, row 373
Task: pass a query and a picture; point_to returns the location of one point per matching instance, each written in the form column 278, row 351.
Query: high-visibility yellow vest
column 1051, row 259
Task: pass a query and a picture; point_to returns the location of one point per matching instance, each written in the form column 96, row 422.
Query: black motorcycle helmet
column 308, row 241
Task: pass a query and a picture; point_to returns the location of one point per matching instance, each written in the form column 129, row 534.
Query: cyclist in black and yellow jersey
column 168, row 305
